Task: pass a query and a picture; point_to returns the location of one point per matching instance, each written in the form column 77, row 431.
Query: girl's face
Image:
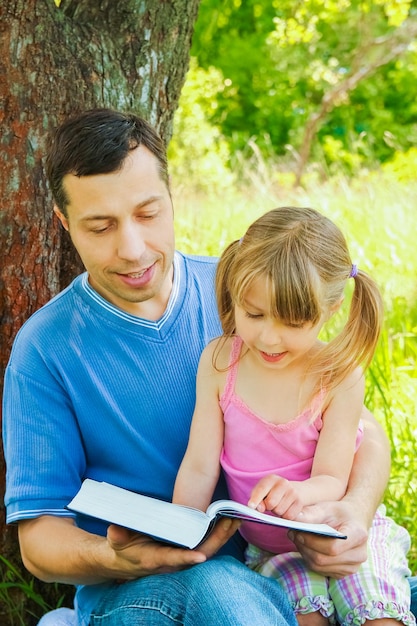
column 272, row 342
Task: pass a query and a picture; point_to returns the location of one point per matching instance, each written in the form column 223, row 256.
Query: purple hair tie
column 353, row 271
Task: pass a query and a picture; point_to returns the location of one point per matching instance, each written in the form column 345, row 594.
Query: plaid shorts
column 379, row 589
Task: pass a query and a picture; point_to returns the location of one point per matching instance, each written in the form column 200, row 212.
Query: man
column 100, row 384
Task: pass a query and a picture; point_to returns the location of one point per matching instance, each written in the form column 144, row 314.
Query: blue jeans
column 219, row 591
column 66, row 617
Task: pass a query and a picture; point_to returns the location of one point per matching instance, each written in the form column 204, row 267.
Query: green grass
column 21, row 598
column 379, row 218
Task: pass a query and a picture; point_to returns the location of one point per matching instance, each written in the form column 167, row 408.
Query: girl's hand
column 277, row 494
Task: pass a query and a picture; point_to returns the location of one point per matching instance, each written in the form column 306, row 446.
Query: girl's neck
column 277, row 395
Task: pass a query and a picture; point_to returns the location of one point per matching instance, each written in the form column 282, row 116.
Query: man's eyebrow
column 93, row 218
column 96, row 217
column 149, row 200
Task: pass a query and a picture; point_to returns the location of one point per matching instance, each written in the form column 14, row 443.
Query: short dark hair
column 97, row 142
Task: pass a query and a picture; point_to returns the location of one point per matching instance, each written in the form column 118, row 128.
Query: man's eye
column 98, row 231
column 150, row 212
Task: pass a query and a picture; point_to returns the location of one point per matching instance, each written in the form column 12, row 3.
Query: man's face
column 122, row 227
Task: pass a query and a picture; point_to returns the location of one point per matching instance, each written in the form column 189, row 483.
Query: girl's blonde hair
column 305, row 261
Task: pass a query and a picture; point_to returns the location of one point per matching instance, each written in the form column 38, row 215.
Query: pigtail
column 365, row 319
column 225, row 303
column 356, row 343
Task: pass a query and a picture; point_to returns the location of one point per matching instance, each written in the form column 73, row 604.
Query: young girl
column 279, row 409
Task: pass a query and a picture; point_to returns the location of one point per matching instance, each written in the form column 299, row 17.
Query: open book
column 172, row 523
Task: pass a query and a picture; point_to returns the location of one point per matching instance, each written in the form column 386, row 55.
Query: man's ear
column 61, row 217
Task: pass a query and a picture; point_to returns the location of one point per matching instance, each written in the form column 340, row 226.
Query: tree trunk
column 125, row 54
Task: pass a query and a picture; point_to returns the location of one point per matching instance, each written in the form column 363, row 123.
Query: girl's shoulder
column 353, row 379
column 218, row 352
column 350, row 387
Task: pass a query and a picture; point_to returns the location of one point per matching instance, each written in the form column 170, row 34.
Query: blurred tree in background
column 342, row 70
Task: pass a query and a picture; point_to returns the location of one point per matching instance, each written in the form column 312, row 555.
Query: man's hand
column 138, row 555
column 333, row 557
column 222, row 532
column 54, row 549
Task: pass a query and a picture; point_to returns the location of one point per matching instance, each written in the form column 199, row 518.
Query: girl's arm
column 333, row 458
column 353, row 514
column 200, row 468
column 336, row 446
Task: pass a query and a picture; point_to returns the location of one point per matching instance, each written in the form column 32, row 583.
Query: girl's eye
column 253, row 316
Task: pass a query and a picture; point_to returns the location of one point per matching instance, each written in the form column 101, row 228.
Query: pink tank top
column 254, row 448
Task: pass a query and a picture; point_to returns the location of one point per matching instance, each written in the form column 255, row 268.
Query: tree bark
column 55, row 61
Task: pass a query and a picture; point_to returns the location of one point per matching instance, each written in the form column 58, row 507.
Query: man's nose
column 131, row 242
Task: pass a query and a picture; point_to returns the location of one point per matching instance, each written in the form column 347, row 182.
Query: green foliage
column 392, row 391
column 198, row 152
column 278, row 59
column 403, row 166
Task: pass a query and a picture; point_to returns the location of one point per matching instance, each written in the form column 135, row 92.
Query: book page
column 229, row 508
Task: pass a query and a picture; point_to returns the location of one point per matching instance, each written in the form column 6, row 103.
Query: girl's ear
column 335, row 307
column 61, row 217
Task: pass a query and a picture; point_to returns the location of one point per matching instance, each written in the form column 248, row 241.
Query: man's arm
column 353, row 514
column 54, row 549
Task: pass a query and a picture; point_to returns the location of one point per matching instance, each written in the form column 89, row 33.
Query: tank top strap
column 229, row 387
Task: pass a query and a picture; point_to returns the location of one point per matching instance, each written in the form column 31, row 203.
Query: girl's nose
column 271, row 334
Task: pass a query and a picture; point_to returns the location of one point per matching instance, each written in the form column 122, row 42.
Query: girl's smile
column 273, row 357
